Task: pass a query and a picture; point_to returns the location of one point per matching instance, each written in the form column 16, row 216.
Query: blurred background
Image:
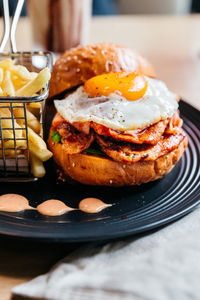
column 113, row 7
column 103, row 7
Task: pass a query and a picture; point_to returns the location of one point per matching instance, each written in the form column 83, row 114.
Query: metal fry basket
column 14, row 158
column 15, row 166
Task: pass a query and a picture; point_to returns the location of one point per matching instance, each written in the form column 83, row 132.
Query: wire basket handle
column 9, row 32
column 6, row 17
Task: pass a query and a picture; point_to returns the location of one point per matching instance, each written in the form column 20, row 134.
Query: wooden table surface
column 172, row 44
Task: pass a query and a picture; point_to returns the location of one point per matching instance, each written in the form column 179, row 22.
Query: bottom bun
column 98, row 170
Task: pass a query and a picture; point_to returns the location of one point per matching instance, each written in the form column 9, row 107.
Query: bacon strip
column 73, row 140
column 148, row 144
column 150, row 135
column 174, row 124
column 57, row 120
column 131, row 153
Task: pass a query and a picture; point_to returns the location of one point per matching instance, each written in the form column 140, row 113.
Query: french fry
column 8, row 132
column 8, row 123
column 23, row 72
column 7, row 85
column 9, row 153
column 42, row 154
column 18, row 83
column 34, row 109
column 6, row 106
column 11, row 144
column 7, row 63
column 37, row 167
column 33, row 75
column 32, row 121
column 35, row 85
column 35, row 105
column 1, row 75
column 37, row 146
column 36, row 140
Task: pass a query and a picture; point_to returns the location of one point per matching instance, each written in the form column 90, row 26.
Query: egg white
column 116, row 112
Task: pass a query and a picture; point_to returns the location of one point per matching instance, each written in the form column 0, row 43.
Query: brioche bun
column 98, row 170
column 77, row 65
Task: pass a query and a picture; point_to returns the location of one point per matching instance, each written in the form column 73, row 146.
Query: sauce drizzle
column 14, row 203
column 92, row 205
column 53, row 207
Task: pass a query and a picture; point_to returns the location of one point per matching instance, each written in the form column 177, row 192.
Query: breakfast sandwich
column 120, row 125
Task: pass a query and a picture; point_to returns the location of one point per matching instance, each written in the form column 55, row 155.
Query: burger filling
column 139, row 145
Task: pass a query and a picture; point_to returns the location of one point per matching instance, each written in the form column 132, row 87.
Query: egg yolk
column 131, row 86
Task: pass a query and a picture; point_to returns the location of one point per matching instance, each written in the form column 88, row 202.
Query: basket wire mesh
column 15, row 166
column 18, row 164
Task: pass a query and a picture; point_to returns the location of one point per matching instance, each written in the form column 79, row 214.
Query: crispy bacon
column 57, row 120
column 131, row 153
column 150, row 135
column 148, row 144
column 81, row 126
column 73, row 140
column 174, row 124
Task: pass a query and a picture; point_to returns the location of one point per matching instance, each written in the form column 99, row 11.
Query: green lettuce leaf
column 56, row 137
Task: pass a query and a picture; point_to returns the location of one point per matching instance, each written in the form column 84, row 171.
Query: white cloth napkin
column 164, row 265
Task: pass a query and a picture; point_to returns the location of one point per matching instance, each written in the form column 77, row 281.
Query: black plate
column 135, row 209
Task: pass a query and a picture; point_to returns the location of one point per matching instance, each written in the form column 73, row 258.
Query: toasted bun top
column 79, row 64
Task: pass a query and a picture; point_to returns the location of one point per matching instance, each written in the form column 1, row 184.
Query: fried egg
column 131, row 86
column 119, row 106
